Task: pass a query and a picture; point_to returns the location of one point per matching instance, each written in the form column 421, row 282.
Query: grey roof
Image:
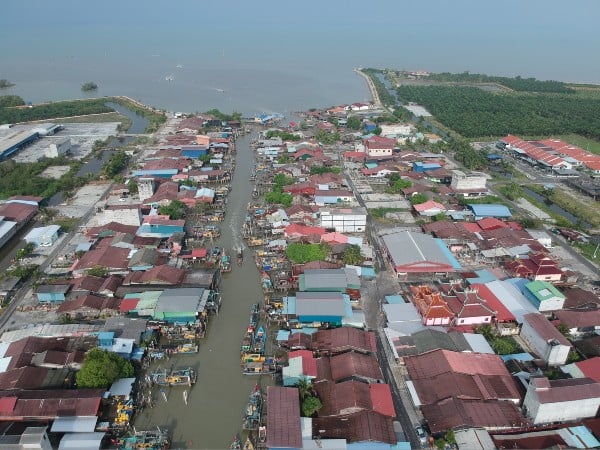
column 478, row 343
column 407, row 247
column 122, row 387
column 352, row 278
column 81, row 441
column 320, row 304
column 53, row 289
column 126, row 327
column 8, row 283
column 324, row 278
column 181, row 299
column 75, row 424
column 402, row 312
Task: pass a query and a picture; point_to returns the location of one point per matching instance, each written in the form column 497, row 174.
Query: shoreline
column 371, row 86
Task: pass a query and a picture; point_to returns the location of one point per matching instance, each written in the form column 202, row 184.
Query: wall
column 461, row 180
column 553, row 354
column 558, row 412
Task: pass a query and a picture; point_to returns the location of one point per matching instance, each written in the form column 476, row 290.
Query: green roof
column 542, row 290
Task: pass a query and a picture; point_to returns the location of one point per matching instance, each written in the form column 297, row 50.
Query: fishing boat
column 252, row 410
column 240, row 256
column 186, row 349
column 236, row 443
column 268, row 367
column 255, row 193
column 225, row 263
column 151, row 439
column 248, row 445
column 181, row 377
column 255, row 315
column 259, row 341
column 252, row 357
column 267, row 284
column 247, row 340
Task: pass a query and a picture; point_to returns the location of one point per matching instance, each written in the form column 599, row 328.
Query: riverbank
column 372, row 89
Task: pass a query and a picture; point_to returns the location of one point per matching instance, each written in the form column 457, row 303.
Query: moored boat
column 187, row 349
column 240, row 257
column 259, row 341
column 236, row 443
column 248, row 445
column 253, row 409
column 262, row 434
column 181, row 377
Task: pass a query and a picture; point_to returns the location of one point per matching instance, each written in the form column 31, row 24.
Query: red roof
column 110, row 257
column 350, row 365
column 502, row 313
column 579, row 319
column 44, row 404
column 162, row 274
column 338, row 340
column 363, row 426
column 590, row 368
column 429, row 204
column 94, row 302
column 491, row 223
column 128, row 304
column 298, row 229
column 283, row 420
column 309, row 363
column 18, row 212
column 544, row 328
column 381, row 398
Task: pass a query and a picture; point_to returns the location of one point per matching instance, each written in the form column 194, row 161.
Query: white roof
column 478, row 343
column 511, row 298
column 81, row 441
column 74, row 424
column 42, row 232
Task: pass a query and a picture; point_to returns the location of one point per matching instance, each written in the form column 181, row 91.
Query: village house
column 548, row 343
column 377, row 146
column 344, row 220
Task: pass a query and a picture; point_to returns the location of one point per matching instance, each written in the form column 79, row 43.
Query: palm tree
column 304, row 388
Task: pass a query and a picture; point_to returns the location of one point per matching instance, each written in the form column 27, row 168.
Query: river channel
column 216, row 402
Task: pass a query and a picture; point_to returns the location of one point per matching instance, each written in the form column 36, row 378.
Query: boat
column 259, row 341
column 252, row 357
column 236, row 443
column 268, row 367
column 267, row 284
column 240, row 256
column 225, row 262
column 248, row 445
column 221, row 91
column 255, row 315
column 187, row 349
column 253, row 409
column 247, row 340
column 181, row 377
column 255, row 194
column 262, row 434
column 151, row 439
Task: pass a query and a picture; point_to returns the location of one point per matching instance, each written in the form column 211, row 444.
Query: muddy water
column 215, row 406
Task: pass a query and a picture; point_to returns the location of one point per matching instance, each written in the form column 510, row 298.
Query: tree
column 512, row 191
column 354, row 123
column 310, row 406
column 101, row 368
column 175, row 210
column 353, row 256
column 418, row 198
column 89, row 86
column 132, row 186
column 303, row 253
column 503, row 346
column 25, row 251
column 564, row 330
column 97, row 271
column 279, row 198
column 304, row 388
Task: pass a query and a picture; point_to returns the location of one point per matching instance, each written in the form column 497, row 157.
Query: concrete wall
column 380, row 152
column 553, row 355
column 59, row 148
column 558, row 412
column 124, row 216
column 345, row 223
column 461, row 180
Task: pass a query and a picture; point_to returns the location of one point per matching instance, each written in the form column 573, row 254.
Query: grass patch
column 100, row 118
column 379, row 213
column 588, row 250
column 570, row 204
column 66, row 223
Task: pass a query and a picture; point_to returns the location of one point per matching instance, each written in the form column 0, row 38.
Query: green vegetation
column 54, row 109
column 590, row 250
column 67, row 224
column 279, row 198
column 116, row 163
column 89, row 86
column 4, row 83
column 384, row 95
column 397, row 183
column 97, row 271
column 511, row 191
column 570, row 204
column 484, row 200
column 302, row 253
column 354, row 123
column 281, row 180
column 25, row 251
column 284, row 135
column 132, row 186
column 379, row 213
column 101, row 368
column 175, row 210
column 310, row 403
column 6, row 101
column 322, row 169
column 467, row 155
column 516, row 84
column 353, row 256
column 502, row 345
column 233, row 117
column 326, row 137
column 24, row 178
column 23, row 272
column 473, row 112
column 418, row 198
column 154, row 117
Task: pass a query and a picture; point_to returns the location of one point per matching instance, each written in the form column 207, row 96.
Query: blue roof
column 448, row 254
column 283, row 335
column 367, row 272
column 494, row 156
column 585, row 436
column 395, row 299
column 289, row 306
column 517, row 357
column 371, row 165
column 157, row 172
column 490, row 210
column 483, row 276
column 518, row 283
column 105, row 335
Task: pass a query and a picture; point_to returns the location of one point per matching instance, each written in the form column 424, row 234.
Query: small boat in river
column 253, row 409
column 240, row 256
column 262, row 434
column 259, row 341
column 248, row 445
column 236, row 443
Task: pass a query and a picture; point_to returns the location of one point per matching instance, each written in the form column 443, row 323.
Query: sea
column 281, row 56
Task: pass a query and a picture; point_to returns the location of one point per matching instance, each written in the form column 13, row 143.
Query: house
column 301, row 214
column 31, row 438
column 18, row 212
column 544, row 296
column 580, row 323
column 409, row 252
column 301, row 365
column 124, row 214
column 328, row 280
column 349, row 366
column 145, row 259
column 468, row 307
column 160, row 227
column 588, row 368
column 377, row 146
column 442, row 374
column 90, row 306
column 549, row 344
column 431, row 306
column 364, row 429
column 429, row 208
column 332, row 196
column 283, row 420
column 43, row 236
column 299, row 230
column 114, row 259
column 537, row 267
column 344, row 220
column 349, row 397
column 329, row 307
column 52, row 293
column 468, row 185
column 159, row 275
column 548, row 401
column 7, row 288
column 44, row 405
column 481, row 211
column 181, row 305
column 343, row 339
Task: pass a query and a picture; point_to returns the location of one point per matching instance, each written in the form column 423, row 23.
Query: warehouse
column 15, row 142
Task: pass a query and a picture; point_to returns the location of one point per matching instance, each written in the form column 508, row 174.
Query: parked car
column 421, row 434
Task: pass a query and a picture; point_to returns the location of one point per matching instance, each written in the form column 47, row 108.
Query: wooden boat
column 187, row 349
column 181, row 377
column 151, row 439
column 225, row 263
column 252, row 357
column 259, row 341
column 253, row 409
column 268, row 367
column 240, row 257
column 248, row 339
column 236, row 443
column 267, row 284
column 248, row 445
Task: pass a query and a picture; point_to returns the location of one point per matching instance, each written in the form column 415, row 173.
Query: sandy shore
column 372, row 89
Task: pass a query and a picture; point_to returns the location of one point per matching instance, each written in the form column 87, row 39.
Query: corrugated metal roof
column 283, row 419
column 74, row 424
column 490, row 210
column 419, row 250
column 320, row 304
column 81, row 441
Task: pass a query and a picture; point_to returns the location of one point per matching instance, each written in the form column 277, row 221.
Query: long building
column 16, row 141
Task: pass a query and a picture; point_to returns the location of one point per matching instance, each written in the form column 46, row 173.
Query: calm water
column 215, row 406
column 281, row 56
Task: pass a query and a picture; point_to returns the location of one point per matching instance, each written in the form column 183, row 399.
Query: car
column 421, row 434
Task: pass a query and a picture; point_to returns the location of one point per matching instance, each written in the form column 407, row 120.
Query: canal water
column 213, row 415
column 557, row 209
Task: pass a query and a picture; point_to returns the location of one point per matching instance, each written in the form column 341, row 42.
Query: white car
column 422, row 435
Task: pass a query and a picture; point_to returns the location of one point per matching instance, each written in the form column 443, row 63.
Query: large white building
column 145, row 188
column 58, row 148
column 123, row 214
column 545, row 339
column 344, row 220
column 548, row 401
column 474, row 181
column 397, row 130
